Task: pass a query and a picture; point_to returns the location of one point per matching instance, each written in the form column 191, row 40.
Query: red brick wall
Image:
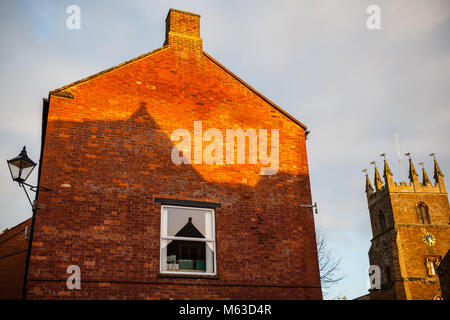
column 107, row 154
column 13, row 252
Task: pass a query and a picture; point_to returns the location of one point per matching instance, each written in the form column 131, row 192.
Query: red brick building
column 13, row 252
column 120, row 207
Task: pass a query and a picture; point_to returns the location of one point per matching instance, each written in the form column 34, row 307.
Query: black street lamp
column 20, row 168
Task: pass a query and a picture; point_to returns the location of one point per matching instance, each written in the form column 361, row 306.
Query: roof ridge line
column 255, row 91
column 107, row 70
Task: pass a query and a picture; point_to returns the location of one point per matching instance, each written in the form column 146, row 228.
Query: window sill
column 188, row 276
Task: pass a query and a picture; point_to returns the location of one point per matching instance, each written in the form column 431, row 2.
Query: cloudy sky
column 350, row 85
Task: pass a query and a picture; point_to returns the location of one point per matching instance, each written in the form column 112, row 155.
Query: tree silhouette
column 329, row 266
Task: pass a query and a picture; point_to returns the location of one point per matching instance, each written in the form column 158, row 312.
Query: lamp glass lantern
column 21, row 166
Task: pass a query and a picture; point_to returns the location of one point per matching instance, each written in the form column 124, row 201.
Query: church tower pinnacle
column 413, row 176
column 412, row 171
column 369, row 187
column 438, row 175
column 387, row 173
column 377, row 179
column 425, row 179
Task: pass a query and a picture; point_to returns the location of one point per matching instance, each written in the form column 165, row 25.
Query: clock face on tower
column 429, row 239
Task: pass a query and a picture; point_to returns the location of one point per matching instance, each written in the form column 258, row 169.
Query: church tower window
column 423, row 215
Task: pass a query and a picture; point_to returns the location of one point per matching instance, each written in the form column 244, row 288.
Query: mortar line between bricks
column 184, row 284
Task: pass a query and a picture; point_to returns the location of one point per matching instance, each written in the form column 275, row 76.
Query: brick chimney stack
column 183, row 31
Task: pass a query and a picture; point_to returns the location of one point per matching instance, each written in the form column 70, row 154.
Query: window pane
column 184, row 222
column 182, row 255
column 187, row 256
column 164, row 261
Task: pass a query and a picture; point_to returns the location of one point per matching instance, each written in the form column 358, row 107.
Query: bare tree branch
column 329, row 267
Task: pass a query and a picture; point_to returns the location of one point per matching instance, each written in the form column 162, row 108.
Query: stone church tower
column 410, row 233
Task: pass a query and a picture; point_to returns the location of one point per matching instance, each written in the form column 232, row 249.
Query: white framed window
column 188, row 240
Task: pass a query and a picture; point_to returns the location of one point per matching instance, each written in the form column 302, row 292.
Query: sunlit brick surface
column 107, row 154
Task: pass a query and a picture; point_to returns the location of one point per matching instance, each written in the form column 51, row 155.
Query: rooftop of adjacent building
column 15, row 239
